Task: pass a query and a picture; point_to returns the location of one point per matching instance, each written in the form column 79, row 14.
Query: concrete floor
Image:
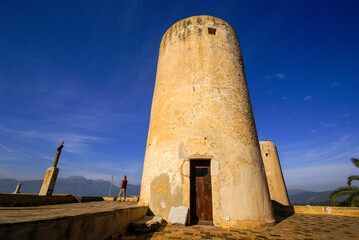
column 297, row 226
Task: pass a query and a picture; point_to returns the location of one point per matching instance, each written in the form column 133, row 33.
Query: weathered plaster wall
column 201, row 110
column 276, row 184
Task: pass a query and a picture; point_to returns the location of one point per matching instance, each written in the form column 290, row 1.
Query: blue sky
column 84, row 72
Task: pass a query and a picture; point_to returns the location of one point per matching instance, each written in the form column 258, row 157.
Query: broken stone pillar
column 17, row 190
column 51, row 175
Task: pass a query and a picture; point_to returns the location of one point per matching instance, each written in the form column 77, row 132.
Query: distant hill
column 296, row 191
column 80, row 186
column 74, row 185
column 309, row 197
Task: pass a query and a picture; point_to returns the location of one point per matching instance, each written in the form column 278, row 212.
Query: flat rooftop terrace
column 89, row 220
column 297, row 226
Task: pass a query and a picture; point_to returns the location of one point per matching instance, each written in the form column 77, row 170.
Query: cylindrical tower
column 276, row 184
column 202, row 147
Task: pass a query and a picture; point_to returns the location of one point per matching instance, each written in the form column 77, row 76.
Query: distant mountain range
column 296, row 191
column 307, row 196
column 80, row 186
column 74, row 185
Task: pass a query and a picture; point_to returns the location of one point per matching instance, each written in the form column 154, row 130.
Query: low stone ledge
column 325, row 210
column 109, row 198
column 104, row 220
column 128, row 199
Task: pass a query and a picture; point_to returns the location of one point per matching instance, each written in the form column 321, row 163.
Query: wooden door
column 201, row 191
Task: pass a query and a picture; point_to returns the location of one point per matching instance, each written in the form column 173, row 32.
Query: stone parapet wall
column 343, row 211
column 128, row 199
column 100, row 222
column 324, row 210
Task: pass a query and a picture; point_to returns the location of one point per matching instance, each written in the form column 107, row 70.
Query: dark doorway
column 201, row 192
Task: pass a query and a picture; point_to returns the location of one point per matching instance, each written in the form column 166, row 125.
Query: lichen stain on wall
column 162, row 198
column 182, row 151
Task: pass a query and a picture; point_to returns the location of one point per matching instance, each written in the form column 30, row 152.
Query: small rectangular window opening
column 201, row 172
column 267, row 154
column 212, row 31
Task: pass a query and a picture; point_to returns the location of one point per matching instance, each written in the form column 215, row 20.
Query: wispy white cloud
column 4, row 147
column 307, row 98
column 275, row 76
column 75, row 143
column 302, row 161
column 132, row 168
column 20, row 172
column 98, row 120
column 343, row 115
column 347, row 122
column 324, row 177
column 280, row 76
column 78, row 157
column 20, row 56
column 320, row 150
column 326, row 124
column 334, row 84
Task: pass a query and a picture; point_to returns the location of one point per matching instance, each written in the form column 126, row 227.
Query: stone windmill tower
column 202, row 148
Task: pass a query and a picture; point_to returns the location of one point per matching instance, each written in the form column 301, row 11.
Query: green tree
column 352, row 191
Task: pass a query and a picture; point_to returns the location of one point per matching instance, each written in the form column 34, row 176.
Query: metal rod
column 58, row 154
column 109, row 192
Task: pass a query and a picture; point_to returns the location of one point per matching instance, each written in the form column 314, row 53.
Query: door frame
column 192, row 196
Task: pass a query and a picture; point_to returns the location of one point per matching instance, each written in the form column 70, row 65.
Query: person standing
column 123, row 189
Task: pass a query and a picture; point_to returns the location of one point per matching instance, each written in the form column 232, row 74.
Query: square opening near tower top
column 212, row 31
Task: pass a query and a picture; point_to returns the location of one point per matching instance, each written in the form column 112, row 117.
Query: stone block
column 146, row 224
column 178, row 215
column 158, row 219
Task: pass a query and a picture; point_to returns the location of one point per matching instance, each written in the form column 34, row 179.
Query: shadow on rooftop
column 281, row 211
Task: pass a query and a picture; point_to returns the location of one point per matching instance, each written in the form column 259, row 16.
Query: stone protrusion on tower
column 202, row 129
column 276, row 184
